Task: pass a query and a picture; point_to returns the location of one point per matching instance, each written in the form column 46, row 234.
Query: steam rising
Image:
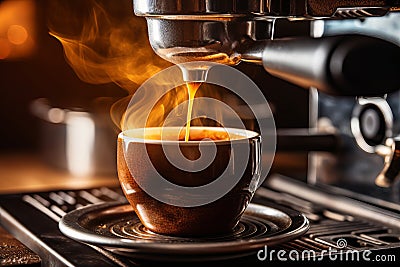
column 105, row 42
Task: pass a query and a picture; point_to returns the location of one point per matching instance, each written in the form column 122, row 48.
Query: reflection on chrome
column 80, row 143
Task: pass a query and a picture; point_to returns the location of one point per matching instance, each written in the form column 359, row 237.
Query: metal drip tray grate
column 116, row 227
column 134, row 229
column 256, row 229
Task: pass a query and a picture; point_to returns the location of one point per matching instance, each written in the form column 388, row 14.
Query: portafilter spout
column 192, row 39
column 196, row 71
column 206, row 30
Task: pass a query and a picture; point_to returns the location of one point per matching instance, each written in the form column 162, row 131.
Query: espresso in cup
column 199, row 187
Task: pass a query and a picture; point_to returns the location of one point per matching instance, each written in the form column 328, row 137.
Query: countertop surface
column 20, row 173
column 29, row 173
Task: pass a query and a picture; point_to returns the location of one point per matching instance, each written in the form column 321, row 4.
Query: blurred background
column 48, row 51
column 32, row 66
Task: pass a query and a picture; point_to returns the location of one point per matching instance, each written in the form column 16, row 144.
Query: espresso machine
column 345, row 57
column 347, row 66
column 335, row 50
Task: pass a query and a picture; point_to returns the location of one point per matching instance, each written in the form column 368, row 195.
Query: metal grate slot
column 348, row 241
column 386, row 238
column 360, row 12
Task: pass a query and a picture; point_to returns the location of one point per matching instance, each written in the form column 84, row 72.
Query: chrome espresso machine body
column 365, row 165
column 350, row 66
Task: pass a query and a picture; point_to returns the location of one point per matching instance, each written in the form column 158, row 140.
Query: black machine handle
column 348, row 65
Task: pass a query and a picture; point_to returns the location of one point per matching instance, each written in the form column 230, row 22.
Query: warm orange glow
column 5, row 48
column 17, row 28
column 170, row 105
column 196, row 134
column 105, row 43
column 163, row 108
column 102, row 48
column 17, row 34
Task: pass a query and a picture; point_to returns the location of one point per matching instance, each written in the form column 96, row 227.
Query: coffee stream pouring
column 231, row 31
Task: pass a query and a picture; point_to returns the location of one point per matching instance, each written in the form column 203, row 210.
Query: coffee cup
column 199, row 187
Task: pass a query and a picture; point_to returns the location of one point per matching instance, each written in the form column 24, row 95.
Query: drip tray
column 114, row 226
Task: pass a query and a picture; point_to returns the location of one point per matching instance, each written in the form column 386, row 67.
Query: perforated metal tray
column 115, row 227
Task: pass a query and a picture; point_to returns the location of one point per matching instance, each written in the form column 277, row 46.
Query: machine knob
column 371, row 122
column 371, row 125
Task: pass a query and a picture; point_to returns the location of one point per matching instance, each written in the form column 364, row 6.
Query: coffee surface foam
column 178, row 134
